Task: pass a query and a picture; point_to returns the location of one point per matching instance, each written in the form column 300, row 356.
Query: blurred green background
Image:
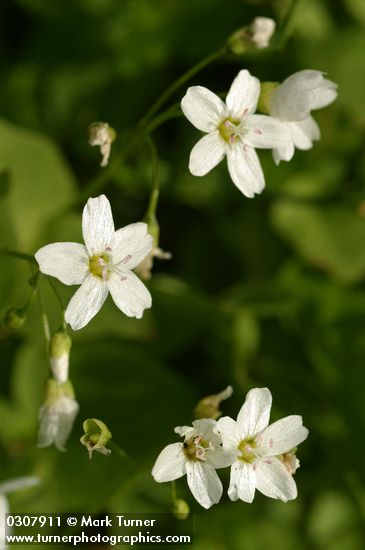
column 264, row 292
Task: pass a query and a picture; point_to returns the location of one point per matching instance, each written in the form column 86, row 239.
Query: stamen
column 108, row 248
column 245, row 113
column 268, row 462
column 245, row 147
column 126, row 259
column 257, row 131
column 104, row 274
column 123, row 278
column 271, row 442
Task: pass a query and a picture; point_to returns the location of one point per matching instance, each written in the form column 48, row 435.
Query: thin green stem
column 146, row 125
column 179, row 82
column 15, row 254
column 173, row 492
column 284, row 28
column 117, row 450
column 59, row 299
column 44, row 318
column 152, row 205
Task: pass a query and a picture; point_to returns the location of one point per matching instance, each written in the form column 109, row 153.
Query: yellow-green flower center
column 228, row 130
column 247, row 447
column 195, row 448
column 99, row 266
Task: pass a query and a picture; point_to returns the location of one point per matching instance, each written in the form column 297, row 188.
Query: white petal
column 292, row 100
column 86, row 302
column 56, row 422
column 243, row 95
column 273, row 480
column 324, row 94
column 68, row 262
column 230, row 432
column 4, row 530
column 304, row 132
column 206, row 154
column 285, row 153
column 67, row 414
column 266, row 132
column 203, row 108
column 245, row 169
column 243, row 481
column 17, row 484
column 283, row 436
column 129, row 293
column 97, row 224
column 170, row 463
column 204, row 483
column 255, row 412
column 206, row 427
column 131, row 244
column 220, row 458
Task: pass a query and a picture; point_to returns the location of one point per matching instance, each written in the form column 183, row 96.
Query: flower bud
column 266, row 91
column 180, row 509
column 57, row 415
column 14, row 318
column 97, row 435
column 254, row 36
column 208, row 407
column 103, row 135
column 59, row 355
column 144, row 269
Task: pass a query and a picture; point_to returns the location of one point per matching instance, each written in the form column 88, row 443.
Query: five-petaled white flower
column 292, row 102
column 7, row 487
column 233, row 130
column 198, row 457
column 103, row 265
column 261, row 462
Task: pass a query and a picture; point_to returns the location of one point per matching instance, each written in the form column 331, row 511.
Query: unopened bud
column 59, row 355
column 97, row 435
column 266, row 90
column 144, row 269
column 103, row 135
column 208, row 407
column 257, row 35
column 14, row 318
column 57, row 415
column 180, row 509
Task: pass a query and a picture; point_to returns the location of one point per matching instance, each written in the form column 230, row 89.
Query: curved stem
column 284, row 28
column 15, row 254
column 152, row 205
column 179, row 82
column 58, row 296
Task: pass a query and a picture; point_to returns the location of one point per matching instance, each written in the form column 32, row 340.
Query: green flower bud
column 14, row 318
column 208, row 407
column 180, row 509
column 97, row 435
column 266, row 91
column 59, row 354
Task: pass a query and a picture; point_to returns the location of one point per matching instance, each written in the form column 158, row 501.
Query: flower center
column 99, row 266
column 228, row 130
column 196, row 448
column 247, row 447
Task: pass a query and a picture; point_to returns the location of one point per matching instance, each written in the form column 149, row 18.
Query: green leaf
column 331, row 239
column 41, row 186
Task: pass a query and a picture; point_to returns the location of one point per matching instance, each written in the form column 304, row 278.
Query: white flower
column 233, row 130
column 198, row 457
column 292, row 102
column 9, row 487
column 103, row 265
column 261, row 30
column 257, row 465
column 57, row 415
